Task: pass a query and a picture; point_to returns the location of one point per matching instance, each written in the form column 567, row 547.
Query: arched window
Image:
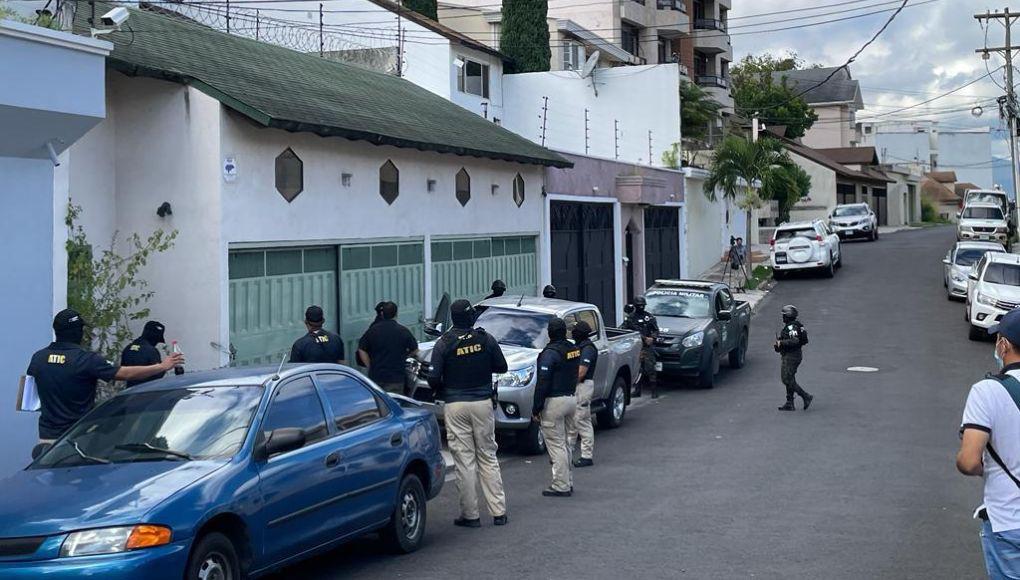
column 463, row 186
column 519, row 190
column 389, row 182
column 290, row 178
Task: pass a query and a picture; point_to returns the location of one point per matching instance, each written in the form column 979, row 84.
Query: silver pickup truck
column 519, row 325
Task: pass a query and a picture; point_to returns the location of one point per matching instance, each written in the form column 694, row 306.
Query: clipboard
column 28, row 395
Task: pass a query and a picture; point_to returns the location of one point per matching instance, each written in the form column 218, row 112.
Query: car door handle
column 396, row 439
column 333, row 459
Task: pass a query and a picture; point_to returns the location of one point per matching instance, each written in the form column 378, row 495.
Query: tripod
column 731, row 269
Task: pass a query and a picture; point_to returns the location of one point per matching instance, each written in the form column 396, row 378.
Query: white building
column 295, row 181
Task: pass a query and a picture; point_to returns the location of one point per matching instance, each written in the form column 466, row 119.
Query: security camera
column 115, row 17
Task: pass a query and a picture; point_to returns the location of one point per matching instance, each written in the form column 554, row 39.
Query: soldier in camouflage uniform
column 641, row 321
column 789, row 342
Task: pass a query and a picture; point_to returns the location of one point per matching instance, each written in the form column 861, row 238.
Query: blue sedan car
column 223, row 475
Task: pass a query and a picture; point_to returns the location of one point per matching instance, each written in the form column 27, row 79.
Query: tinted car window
column 854, row 210
column 679, row 303
column 726, row 300
column 967, row 256
column 801, row 233
column 1008, row 274
column 589, row 317
column 296, row 404
column 515, row 327
column 353, row 404
column 983, row 213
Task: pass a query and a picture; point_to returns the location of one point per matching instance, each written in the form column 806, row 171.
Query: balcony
column 713, row 81
column 709, row 24
column 678, row 5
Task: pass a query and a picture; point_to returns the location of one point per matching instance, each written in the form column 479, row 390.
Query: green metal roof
column 278, row 87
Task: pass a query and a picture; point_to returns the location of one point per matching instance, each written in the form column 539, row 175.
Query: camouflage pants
column 791, row 361
column 648, row 360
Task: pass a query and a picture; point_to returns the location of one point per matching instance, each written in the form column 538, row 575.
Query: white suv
column 854, row 220
column 983, row 220
column 993, row 289
column 804, row 246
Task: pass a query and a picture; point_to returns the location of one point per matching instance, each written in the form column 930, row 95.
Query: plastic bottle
column 178, row 369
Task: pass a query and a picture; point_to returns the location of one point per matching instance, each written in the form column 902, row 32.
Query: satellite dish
column 589, row 65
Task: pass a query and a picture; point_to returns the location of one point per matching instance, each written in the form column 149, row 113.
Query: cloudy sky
column 928, row 50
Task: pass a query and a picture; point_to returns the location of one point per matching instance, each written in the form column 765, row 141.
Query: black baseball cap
column 68, row 319
column 1008, row 326
column 314, row 315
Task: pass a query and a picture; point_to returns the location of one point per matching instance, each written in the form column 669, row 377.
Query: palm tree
column 750, row 172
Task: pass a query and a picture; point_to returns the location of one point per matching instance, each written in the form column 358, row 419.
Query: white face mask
column 998, row 358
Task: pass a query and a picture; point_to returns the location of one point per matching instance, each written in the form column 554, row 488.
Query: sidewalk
column 753, row 297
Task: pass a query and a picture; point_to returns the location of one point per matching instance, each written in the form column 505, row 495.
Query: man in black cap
column 498, row 289
column 65, row 375
column 789, row 344
column 582, row 425
column 142, row 351
column 463, row 362
column 645, row 323
column 319, row 345
column 555, row 404
column 384, row 349
column 549, row 291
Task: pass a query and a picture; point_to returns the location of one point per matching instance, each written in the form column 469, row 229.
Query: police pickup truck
column 699, row 324
column 519, row 325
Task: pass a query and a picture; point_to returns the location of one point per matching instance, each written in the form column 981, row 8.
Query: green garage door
column 374, row 272
column 465, row 268
column 269, row 291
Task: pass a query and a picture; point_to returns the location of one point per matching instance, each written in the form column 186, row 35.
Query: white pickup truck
column 519, row 325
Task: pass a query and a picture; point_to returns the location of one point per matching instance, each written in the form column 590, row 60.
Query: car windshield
column 967, row 256
column 987, row 198
column 1007, row 274
column 800, row 233
column 515, row 327
column 161, row 425
column 983, row 213
column 853, row 210
column 679, row 303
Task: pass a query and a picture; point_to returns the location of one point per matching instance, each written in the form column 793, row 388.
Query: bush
column 928, row 213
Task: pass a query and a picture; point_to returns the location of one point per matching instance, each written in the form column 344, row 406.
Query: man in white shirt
column 990, row 447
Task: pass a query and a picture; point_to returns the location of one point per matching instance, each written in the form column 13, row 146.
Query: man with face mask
column 549, row 291
column 65, row 375
column 789, row 342
column 498, row 289
column 554, row 403
column 990, row 448
column 640, row 320
column 142, row 351
column 582, row 425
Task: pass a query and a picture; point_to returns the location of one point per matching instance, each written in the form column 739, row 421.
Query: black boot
column 655, row 389
column 636, row 392
column 807, row 400
column 788, row 406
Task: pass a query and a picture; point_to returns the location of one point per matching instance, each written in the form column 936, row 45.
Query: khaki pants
column 582, row 425
column 471, row 433
column 557, row 414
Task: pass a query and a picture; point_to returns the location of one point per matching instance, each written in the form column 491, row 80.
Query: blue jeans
column 1002, row 553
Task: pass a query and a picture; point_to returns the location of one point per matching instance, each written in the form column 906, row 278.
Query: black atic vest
column 564, row 376
column 467, row 363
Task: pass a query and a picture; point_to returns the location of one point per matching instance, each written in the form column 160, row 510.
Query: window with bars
column 573, row 55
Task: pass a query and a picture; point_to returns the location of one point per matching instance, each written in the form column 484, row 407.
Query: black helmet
column 640, row 301
column 549, row 291
column 498, row 286
column 789, row 313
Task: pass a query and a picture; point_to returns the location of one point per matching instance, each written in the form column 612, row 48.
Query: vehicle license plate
column 658, row 367
column 780, row 259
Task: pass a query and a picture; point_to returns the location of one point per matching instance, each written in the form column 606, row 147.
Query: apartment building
column 707, row 50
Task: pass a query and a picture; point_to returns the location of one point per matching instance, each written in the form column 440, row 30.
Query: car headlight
column 694, row 339
column 114, row 540
column 985, row 299
column 516, row 378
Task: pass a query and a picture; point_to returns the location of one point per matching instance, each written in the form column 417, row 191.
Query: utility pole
column 756, row 127
column 545, row 117
column 1007, row 104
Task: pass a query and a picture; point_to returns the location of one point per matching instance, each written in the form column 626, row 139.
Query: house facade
column 333, row 192
column 835, row 101
column 53, row 93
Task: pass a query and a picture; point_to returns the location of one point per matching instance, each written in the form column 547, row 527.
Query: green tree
column 747, row 171
column 525, row 35
column 788, row 189
column 427, row 8
column 698, row 112
column 755, row 91
column 107, row 289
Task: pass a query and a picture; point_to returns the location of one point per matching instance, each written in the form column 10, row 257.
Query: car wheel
column 214, row 557
column 530, row 441
column 738, row 356
column 976, row 333
column 829, row 271
column 616, row 406
column 406, row 529
column 706, row 376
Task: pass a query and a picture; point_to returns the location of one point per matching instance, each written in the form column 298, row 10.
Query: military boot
column 788, row 406
column 655, row 389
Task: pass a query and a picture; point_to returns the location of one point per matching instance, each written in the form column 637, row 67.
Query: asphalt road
column 719, row 484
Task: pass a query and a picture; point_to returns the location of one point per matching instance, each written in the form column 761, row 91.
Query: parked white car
column 983, row 220
column 854, row 220
column 807, row 245
column 993, row 289
column 993, row 196
column 959, row 262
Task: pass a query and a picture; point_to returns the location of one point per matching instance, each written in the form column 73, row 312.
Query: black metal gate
column 880, row 203
column 662, row 244
column 581, row 252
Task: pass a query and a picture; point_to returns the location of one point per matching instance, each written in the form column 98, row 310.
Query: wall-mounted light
column 52, row 152
column 164, row 209
column 430, row 185
column 345, row 179
column 495, row 188
column 458, row 62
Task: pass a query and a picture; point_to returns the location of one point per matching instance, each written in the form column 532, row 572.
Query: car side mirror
column 973, row 276
column 946, row 261
column 958, row 214
column 433, row 328
column 40, row 449
column 725, row 314
column 281, row 441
